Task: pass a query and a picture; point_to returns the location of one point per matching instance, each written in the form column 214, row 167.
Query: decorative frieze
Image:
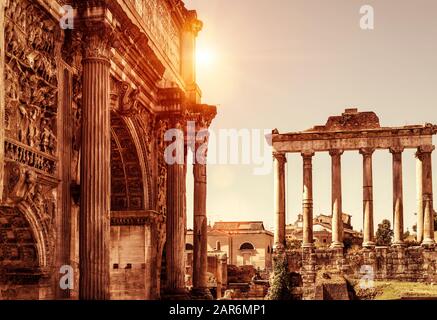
column 30, row 157
column 136, row 218
column 31, row 76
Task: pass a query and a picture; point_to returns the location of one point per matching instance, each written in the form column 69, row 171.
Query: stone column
column 200, row 252
column 337, row 213
column 368, row 234
column 188, row 55
column 419, row 197
column 427, row 196
column 398, row 206
column 176, row 221
column 95, row 166
column 279, row 161
column 307, row 202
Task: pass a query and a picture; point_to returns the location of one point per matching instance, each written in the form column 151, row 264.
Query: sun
column 205, row 58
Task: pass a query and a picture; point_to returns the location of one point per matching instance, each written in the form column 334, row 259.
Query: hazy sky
column 289, row 64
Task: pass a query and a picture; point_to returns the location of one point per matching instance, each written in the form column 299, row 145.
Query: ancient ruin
column 360, row 132
column 85, row 190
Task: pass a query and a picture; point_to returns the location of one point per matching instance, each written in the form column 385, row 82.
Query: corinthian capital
column 99, row 39
column 426, row 149
column 336, row 152
column 396, row 149
column 280, row 157
column 367, row 152
column 193, row 24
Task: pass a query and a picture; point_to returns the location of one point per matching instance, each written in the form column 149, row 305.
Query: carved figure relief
column 159, row 21
column 161, row 204
column 31, row 77
column 128, row 99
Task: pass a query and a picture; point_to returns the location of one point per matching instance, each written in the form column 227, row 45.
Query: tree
column 384, row 233
column 415, row 227
column 280, row 282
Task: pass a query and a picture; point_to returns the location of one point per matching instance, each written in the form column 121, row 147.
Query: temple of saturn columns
column 355, row 131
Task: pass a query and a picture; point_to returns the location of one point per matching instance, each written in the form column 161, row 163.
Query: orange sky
column 290, row 64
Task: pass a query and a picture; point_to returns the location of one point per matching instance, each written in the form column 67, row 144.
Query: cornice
column 417, row 130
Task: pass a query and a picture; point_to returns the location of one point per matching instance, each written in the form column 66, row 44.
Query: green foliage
column 293, row 244
column 280, row 281
column 347, row 242
column 384, row 233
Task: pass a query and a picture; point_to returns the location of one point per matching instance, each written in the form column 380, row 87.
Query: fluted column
column 176, row 223
column 368, row 234
column 398, row 204
column 95, row 167
column 337, row 213
column 427, row 196
column 307, row 202
column 279, row 161
column 200, row 254
column 419, row 198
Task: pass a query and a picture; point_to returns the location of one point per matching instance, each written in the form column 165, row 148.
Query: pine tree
column 280, row 283
column 384, row 233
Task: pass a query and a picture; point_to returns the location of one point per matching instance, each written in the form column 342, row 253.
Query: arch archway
column 247, row 246
column 23, row 239
column 127, row 168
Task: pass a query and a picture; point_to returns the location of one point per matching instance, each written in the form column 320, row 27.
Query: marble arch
column 128, row 169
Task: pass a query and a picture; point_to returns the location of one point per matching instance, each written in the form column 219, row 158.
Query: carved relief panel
column 159, row 22
column 32, row 44
column 31, row 86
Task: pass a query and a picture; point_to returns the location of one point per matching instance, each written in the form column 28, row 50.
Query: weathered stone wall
column 414, row 264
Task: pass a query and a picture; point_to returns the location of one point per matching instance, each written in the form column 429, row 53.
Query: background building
column 245, row 243
column 322, row 230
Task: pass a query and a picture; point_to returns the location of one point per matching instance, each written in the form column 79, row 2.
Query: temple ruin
column 360, row 132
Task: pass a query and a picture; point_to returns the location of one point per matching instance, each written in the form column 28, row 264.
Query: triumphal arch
column 89, row 208
column 355, row 131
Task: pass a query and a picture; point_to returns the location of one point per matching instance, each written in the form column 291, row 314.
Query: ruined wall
column 414, row 264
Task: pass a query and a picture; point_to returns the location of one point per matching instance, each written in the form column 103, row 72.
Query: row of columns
column 95, row 185
column 176, row 225
column 425, row 212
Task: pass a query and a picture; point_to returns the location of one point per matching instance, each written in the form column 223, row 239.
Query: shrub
column 384, row 233
column 280, row 282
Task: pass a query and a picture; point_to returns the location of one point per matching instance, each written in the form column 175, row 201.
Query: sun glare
column 204, row 57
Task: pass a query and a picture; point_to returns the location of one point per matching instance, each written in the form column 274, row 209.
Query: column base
column 369, row 245
column 428, row 243
column 201, row 294
column 398, row 244
column 177, row 294
column 337, row 245
column 308, row 245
